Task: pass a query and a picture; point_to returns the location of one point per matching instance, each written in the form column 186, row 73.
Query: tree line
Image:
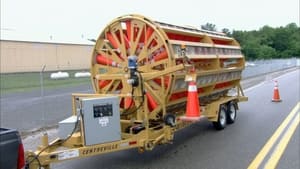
column 267, row 42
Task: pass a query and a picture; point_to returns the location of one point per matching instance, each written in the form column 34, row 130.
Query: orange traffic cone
column 192, row 106
column 276, row 97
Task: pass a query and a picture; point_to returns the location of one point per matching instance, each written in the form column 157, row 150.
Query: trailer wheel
column 222, row 119
column 231, row 112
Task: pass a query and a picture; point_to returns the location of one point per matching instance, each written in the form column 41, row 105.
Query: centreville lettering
column 99, row 149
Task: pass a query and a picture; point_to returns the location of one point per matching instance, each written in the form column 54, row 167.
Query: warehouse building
column 26, row 56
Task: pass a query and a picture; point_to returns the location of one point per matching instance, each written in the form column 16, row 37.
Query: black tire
column 231, row 112
column 222, row 119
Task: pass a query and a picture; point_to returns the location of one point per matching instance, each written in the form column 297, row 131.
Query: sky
column 74, row 21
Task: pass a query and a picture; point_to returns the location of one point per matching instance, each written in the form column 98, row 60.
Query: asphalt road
column 29, row 111
column 200, row 146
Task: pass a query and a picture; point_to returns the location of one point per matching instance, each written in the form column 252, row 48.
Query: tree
column 270, row 42
column 226, row 31
column 209, row 27
column 266, row 52
column 267, row 42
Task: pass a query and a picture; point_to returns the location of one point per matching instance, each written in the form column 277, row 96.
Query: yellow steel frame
column 162, row 70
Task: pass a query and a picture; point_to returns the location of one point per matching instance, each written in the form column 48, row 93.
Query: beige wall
column 18, row 56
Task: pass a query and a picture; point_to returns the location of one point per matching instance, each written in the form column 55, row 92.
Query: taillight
column 21, row 157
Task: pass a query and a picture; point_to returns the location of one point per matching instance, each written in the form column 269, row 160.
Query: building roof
column 15, row 36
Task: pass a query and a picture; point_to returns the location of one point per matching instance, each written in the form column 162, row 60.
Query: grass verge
column 23, row 82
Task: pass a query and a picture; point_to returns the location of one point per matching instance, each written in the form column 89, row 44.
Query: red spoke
column 103, row 83
column 161, row 56
column 128, row 29
column 126, row 40
column 128, row 102
column 152, row 104
column 112, row 41
column 112, row 53
column 137, row 33
column 106, row 61
column 148, row 34
column 166, row 81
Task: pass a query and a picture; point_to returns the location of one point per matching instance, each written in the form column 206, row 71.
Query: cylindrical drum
column 133, row 46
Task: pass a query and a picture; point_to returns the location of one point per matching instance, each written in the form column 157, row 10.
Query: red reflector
column 21, row 157
column 132, row 142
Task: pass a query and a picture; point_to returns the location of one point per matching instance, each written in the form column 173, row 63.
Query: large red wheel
column 131, row 35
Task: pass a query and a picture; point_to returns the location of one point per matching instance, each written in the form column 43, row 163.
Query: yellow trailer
column 140, row 70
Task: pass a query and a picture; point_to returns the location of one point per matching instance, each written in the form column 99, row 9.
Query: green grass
column 23, row 82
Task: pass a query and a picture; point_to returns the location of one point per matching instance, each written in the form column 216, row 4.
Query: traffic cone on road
column 276, row 96
column 192, row 106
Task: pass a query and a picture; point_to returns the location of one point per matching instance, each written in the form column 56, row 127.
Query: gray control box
column 101, row 120
column 66, row 127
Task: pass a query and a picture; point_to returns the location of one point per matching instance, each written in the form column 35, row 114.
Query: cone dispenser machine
column 140, row 72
